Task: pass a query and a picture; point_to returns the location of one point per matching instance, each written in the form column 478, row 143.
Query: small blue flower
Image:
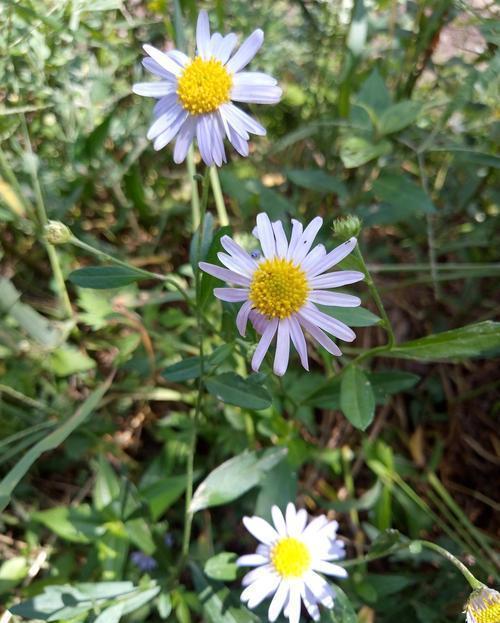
column 255, row 254
column 169, row 540
column 143, row 561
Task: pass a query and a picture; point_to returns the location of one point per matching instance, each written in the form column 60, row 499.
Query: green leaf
column 374, row 94
column 235, row 477
column 356, row 151
column 353, row 316
column 235, row 390
column 162, row 494
column 112, row 614
column 391, row 382
column 398, row 190
column 398, row 116
column 279, row 486
column 67, row 360
column 107, row 485
column 105, row 277
column 356, row 398
column 222, row 567
column 51, row 441
column 78, row 525
column 12, row 571
column 190, row 368
column 216, row 601
column 317, row 180
column 198, row 252
column 474, row 340
column 387, row 541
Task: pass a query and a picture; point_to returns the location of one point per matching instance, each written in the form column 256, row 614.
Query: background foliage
column 389, row 114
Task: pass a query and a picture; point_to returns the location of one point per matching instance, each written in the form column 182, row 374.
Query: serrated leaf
column 235, row 390
column 105, row 277
column 356, row 398
column 235, row 477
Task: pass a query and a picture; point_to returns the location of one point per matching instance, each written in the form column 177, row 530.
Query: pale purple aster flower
column 195, row 95
column 288, row 562
column 280, row 290
column 143, row 562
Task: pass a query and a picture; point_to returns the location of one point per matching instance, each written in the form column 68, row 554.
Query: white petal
column 254, row 78
column 155, row 68
column 278, row 520
column 260, row 529
column 282, row 354
column 164, row 121
column 337, row 279
column 255, row 574
column 266, row 235
column 319, row 588
column 165, row 104
column 281, row 241
column 204, row 140
column 316, row 524
column 294, row 603
column 301, row 520
column 231, row 295
column 299, row 341
column 203, row 35
column 337, row 299
column 313, row 256
column 179, row 57
column 278, row 601
column 297, row 230
column 234, row 264
column 230, row 118
column 290, row 515
column 327, row 323
column 246, row 52
column 259, row 321
column 176, row 124
column 248, row 123
column 242, row 317
column 222, row 273
column 215, row 41
column 256, row 95
column 260, row 589
column 329, row 568
column 252, row 560
column 184, row 140
column 216, row 139
column 319, row 336
column 226, row 47
column 239, row 253
column 264, row 343
column 153, row 89
column 240, row 144
column 310, row 603
column 163, row 60
column 306, row 240
column 334, row 257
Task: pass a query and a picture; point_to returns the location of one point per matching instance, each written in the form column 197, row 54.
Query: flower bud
column 346, row 227
column 483, row 606
column 57, row 232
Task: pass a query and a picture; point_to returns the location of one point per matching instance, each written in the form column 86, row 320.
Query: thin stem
column 102, row 255
column 473, row 581
column 188, row 514
column 390, row 268
column 376, row 297
column 219, row 199
column 42, row 221
column 195, row 198
column 431, row 235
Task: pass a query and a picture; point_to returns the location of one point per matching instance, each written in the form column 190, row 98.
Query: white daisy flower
column 483, row 606
column 287, row 563
column 279, row 290
column 195, row 95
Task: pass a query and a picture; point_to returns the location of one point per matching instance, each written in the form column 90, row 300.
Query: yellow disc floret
column 290, row 557
column 203, row 86
column 278, row 288
column 484, row 606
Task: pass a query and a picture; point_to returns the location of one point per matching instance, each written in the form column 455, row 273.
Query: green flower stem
column 471, row 579
column 42, row 221
column 219, row 199
column 188, row 515
column 195, row 197
column 376, row 297
column 114, row 260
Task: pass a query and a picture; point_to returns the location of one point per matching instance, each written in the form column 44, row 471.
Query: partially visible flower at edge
column 288, row 560
column 143, row 562
column 280, row 289
column 195, row 95
column 483, row 606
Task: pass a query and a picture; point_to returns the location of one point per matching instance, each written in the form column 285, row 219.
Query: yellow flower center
column 204, row 86
column 290, row 558
column 278, row 288
column 487, row 612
